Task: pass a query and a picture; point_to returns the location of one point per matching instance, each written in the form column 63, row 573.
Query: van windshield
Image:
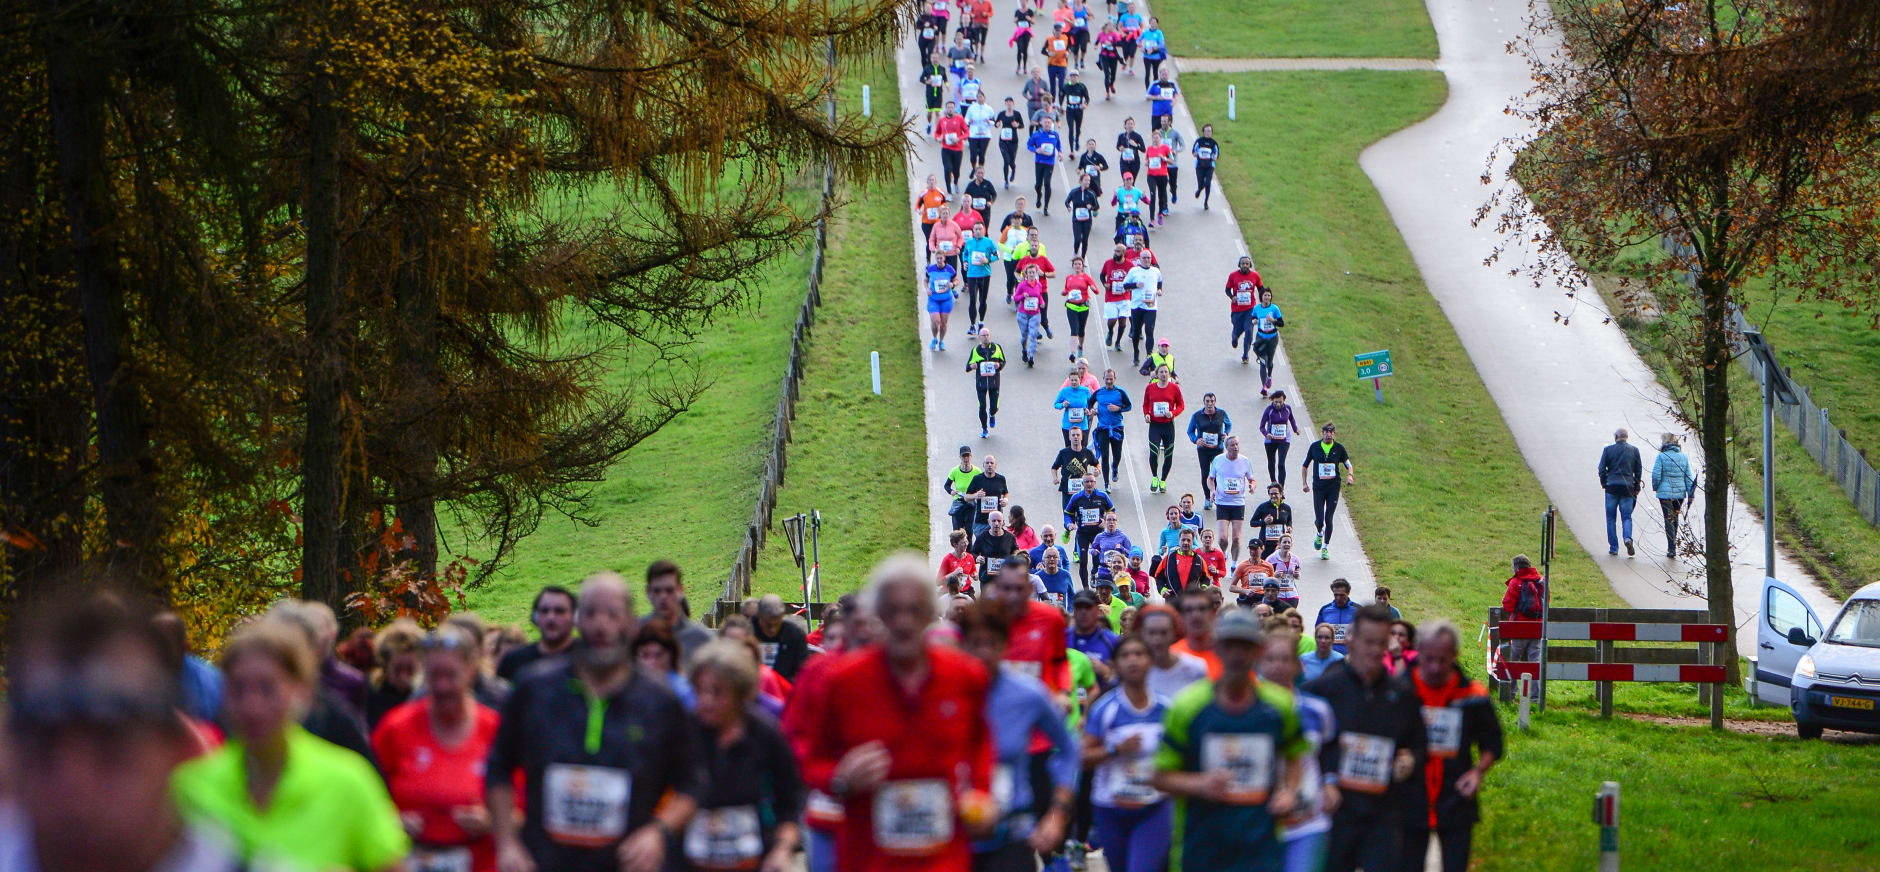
column 1858, row 624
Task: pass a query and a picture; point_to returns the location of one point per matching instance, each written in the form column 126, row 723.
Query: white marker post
column 1230, row 102
column 874, row 366
column 865, row 115
column 1606, row 815
column 1525, row 691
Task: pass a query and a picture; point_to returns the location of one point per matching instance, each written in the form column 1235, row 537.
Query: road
column 1196, row 250
column 1562, row 388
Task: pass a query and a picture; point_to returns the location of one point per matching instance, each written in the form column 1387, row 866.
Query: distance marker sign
column 1374, row 365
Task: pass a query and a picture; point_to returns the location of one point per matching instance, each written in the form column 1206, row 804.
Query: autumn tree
column 1741, row 133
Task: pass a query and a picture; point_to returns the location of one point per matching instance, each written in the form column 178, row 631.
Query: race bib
column 1092, row 171
column 969, row 90
column 1075, row 295
column 913, row 818
column 769, row 650
column 1364, row 765
column 1277, row 432
column 1032, row 668
column 946, row 246
column 1273, row 532
column 933, row 215
column 1267, row 324
column 1243, row 298
column 1230, row 486
column 1328, row 470
column 822, row 808
column 1031, row 305
column 1130, row 780
column 1089, row 517
column 1116, row 287
column 1155, row 163
column 1444, row 725
column 1247, row 758
column 586, row 806
column 979, row 203
column 988, row 367
column 1340, row 632
column 989, row 504
column 980, row 259
column 937, row 287
column 1046, row 149
column 1159, row 408
column 453, row 859
column 724, row 838
column 993, row 564
column 1005, row 133
column 1073, row 101
column 927, row 33
column 1211, row 440
column 1075, row 415
column 1080, row 213
column 1204, row 153
column 951, row 138
column 1128, row 154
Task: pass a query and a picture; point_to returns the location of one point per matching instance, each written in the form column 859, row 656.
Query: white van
column 1827, row 678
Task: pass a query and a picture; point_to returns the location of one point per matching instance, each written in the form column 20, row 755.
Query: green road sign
column 1374, row 364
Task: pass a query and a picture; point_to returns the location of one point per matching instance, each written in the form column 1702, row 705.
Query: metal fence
column 1824, row 442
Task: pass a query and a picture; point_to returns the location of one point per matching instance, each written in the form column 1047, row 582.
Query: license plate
column 1850, row 702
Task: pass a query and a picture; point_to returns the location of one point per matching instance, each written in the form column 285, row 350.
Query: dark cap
column 966, row 449
column 1086, row 598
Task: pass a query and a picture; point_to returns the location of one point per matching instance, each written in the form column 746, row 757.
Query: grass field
column 856, row 457
column 1296, row 28
column 1443, row 497
column 1765, row 803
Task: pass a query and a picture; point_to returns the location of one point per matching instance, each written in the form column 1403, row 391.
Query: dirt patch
column 1756, row 728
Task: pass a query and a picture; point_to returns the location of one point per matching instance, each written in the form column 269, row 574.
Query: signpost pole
column 1377, row 389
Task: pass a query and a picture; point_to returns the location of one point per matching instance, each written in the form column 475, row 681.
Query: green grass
column 1297, row 28
column 1832, row 350
column 1443, row 497
column 1718, row 801
column 855, row 456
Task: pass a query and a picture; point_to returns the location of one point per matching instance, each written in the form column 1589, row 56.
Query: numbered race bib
column 980, row 259
column 1230, row 486
column 933, row 215
column 1155, row 163
column 988, row 367
column 1328, row 470
column 1074, row 415
column 913, row 818
column 1247, row 758
column 1277, row 432
column 969, row 90
column 586, row 806
column 1046, row 149
column 769, row 650
column 1128, row 154
column 1267, row 324
column 1444, row 725
column 1365, row 763
column 1130, row 780
column 979, row 203
column 1073, row 101
column 951, row 138
column 1031, row 305
column 1092, row 171
column 1159, row 408
column 1204, row 153
column 946, row 246
column 1005, row 133
column 993, row 564
column 1340, row 632
column 1243, row 298
column 1080, row 213
column 1089, row 517
column 1075, row 295
column 927, row 33
column 724, row 838
column 937, row 287
column 1116, row 287
column 989, row 504
column 1211, row 440
column 822, row 808
column 1273, row 532
column 453, row 859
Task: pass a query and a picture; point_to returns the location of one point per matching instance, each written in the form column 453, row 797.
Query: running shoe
column 992, row 420
column 1318, row 541
column 943, row 345
column 1325, row 553
column 1077, row 854
column 983, row 432
column 1048, row 334
column 1263, row 391
column 933, row 344
column 1207, row 504
column 1073, row 357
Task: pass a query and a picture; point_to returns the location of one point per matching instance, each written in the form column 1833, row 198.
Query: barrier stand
column 1604, row 662
column 1606, row 816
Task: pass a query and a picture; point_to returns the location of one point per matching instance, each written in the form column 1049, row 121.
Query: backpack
column 1527, row 602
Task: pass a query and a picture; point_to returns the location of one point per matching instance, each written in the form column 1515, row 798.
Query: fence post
column 1604, row 688
column 1606, row 816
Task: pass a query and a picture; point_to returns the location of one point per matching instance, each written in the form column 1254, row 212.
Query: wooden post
column 1604, row 687
column 1704, row 656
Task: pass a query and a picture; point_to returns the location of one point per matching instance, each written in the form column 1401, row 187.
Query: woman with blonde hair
column 747, row 817
column 395, row 679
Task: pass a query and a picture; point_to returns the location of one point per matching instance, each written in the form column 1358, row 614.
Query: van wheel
column 1807, row 730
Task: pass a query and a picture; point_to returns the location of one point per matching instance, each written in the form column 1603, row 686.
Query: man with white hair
column 823, row 814
column 610, row 767
column 993, row 547
column 893, row 730
column 784, row 644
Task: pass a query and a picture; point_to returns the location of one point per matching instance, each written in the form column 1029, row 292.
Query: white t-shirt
column 1187, row 670
column 1148, row 284
column 979, row 120
column 1232, row 479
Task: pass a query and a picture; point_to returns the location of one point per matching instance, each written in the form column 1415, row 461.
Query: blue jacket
column 1073, row 397
column 985, row 245
column 1671, row 474
column 1194, row 424
column 1041, row 137
column 1330, row 613
column 1106, row 396
column 1017, row 707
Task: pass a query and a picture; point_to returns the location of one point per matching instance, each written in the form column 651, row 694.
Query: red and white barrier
column 1685, row 673
column 1597, row 631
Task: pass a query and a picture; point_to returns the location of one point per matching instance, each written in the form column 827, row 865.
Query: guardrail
column 1604, row 662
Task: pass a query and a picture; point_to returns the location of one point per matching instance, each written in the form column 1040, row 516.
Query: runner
column 431, row 753
column 980, row 15
column 959, row 57
column 1048, row 541
column 985, row 363
column 943, row 287
column 1010, row 124
column 901, row 738
column 1132, row 819
column 1302, row 832
column 1144, row 282
column 994, row 546
column 1112, row 540
column 939, row 13
column 1129, row 199
column 1206, row 429
column 823, row 814
column 1084, row 204
column 1034, row 255
column 1057, row 54
column 981, row 119
column 1206, row 152
column 1277, row 425
column 1172, row 137
column 1030, row 298
column 947, row 237
column 1286, row 566
column 1157, row 157
column 1223, row 743
column 1162, row 403
column 980, row 193
column 1109, row 56
column 552, row 613
column 1243, row 295
column 1084, row 512
column 1230, row 477
column 934, row 76
column 1340, row 613
column 1162, row 95
column 979, row 252
column 1129, row 24
column 782, row 645
column 1056, row 576
column 929, row 207
column 1183, row 567
column 1021, row 36
column 1267, row 322
column 1073, row 399
column 951, row 131
column 593, row 804
column 1380, row 744
column 1170, row 671
column 1044, row 146
column 1129, row 148
column 1080, row 33
column 990, row 494
column 1321, row 465
column 1014, row 243
column 1212, row 553
column 1272, row 521
column 1460, row 721
column 1111, row 402
column 1079, row 291
column 1092, row 165
column 747, row 818
column 1154, row 50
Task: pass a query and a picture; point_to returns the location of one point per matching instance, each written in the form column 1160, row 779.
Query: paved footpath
column 1196, row 249
column 1562, row 389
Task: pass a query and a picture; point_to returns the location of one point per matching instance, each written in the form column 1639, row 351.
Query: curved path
column 1196, row 249
column 1562, row 389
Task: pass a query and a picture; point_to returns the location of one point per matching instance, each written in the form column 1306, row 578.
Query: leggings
column 1080, row 238
column 1108, row 65
column 1041, row 182
column 1024, row 48
column 988, row 395
column 1324, row 508
column 1204, row 181
column 1454, row 841
column 1304, row 853
column 1011, row 278
column 1242, row 337
column 1078, row 318
column 1141, row 321
column 1149, row 68
column 1263, row 349
column 926, row 235
column 1135, row 839
column 1158, row 195
column 1109, row 451
column 1080, row 43
column 1161, row 447
column 977, row 148
column 1074, row 125
column 1085, row 536
column 1008, row 151
column 1055, row 75
column 977, row 288
column 1276, row 463
column 950, row 166
column 1206, row 455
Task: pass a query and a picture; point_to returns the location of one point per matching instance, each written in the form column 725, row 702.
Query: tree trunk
column 78, row 87
column 416, row 373
column 323, row 478
column 1713, row 433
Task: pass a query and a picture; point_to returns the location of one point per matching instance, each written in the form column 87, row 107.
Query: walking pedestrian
column 1524, row 599
column 1621, row 475
column 1673, row 482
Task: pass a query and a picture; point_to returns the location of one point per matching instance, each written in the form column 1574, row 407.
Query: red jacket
column 1513, row 595
column 1170, row 393
column 954, row 125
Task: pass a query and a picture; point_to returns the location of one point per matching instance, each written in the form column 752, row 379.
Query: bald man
column 1621, row 474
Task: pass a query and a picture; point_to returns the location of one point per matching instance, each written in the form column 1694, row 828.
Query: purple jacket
column 1280, row 415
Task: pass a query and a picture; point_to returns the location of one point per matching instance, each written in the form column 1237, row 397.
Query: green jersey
column 1199, row 735
column 1083, row 689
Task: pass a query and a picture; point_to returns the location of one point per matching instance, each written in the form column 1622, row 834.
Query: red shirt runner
column 951, row 131
column 1243, row 290
column 426, row 777
column 1157, row 159
column 1080, row 289
column 1170, row 393
column 1112, row 275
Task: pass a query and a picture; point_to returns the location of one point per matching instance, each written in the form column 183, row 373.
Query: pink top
column 946, row 238
column 1028, row 539
column 1090, row 381
column 1029, row 297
